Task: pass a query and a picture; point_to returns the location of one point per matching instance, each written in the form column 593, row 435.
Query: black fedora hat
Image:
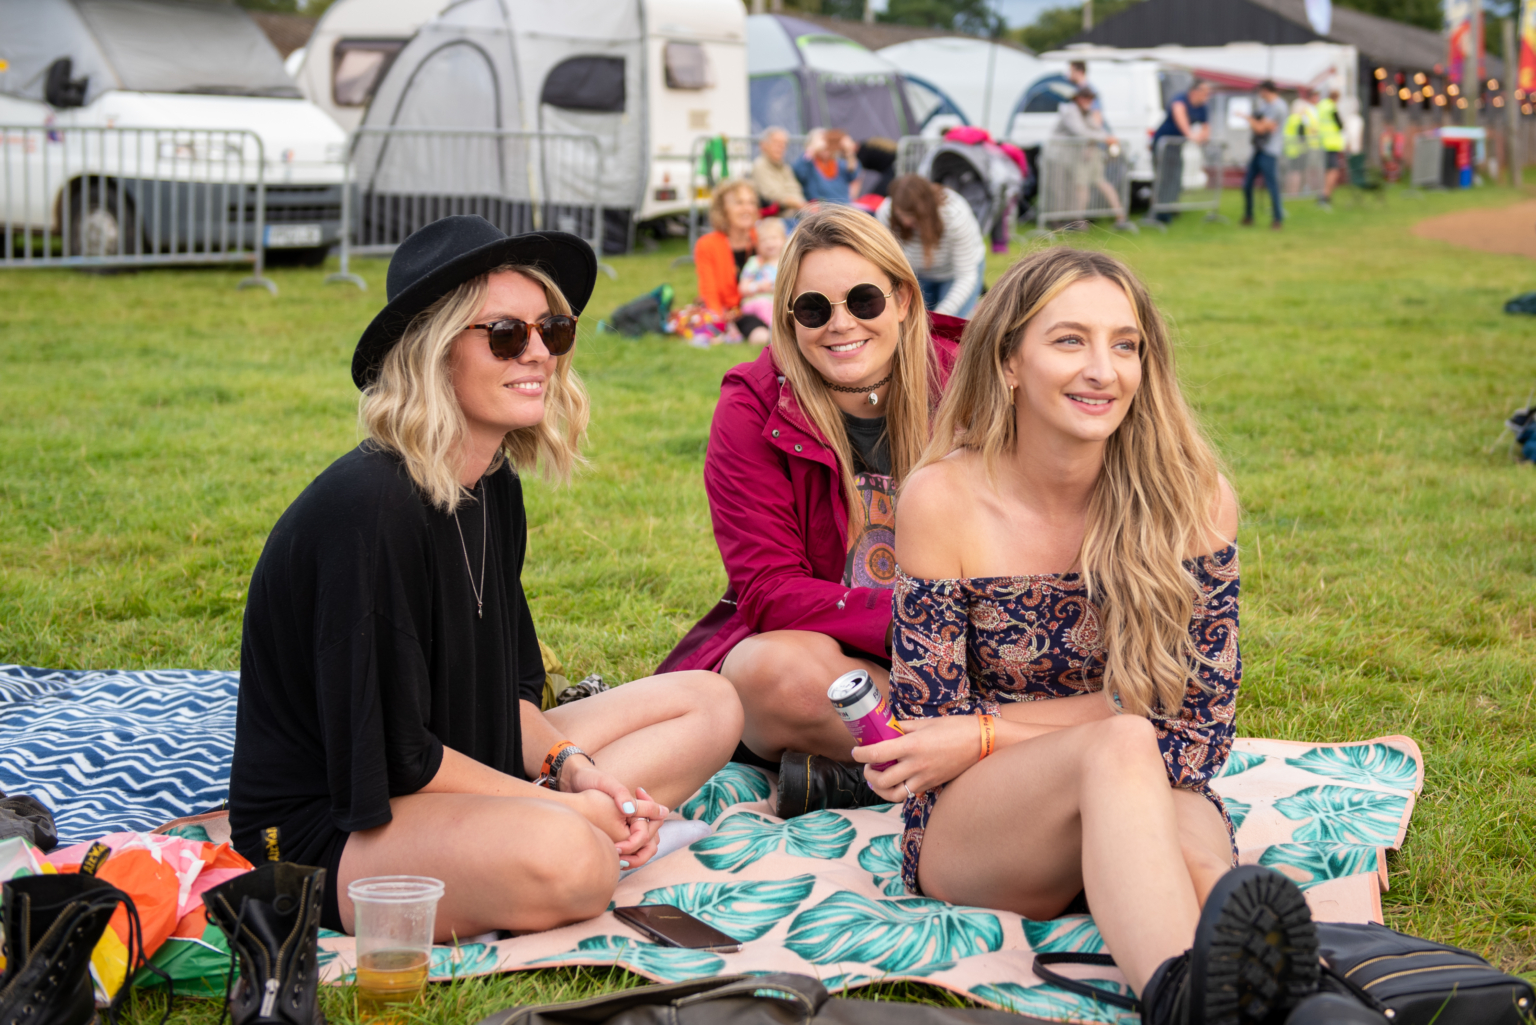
column 441, row 256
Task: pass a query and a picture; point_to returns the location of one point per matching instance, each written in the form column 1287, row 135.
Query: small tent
column 984, row 78
column 804, row 77
column 642, row 77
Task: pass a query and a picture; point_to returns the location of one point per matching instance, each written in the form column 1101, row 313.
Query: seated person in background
column 941, row 240
column 1085, row 170
column 1066, row 659
column 388, row 720
column 761, row 270
column 773, row 179
column 829, row 166
column 719, row 256
column 807, row 447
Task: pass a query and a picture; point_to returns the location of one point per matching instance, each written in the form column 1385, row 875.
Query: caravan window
column 687, row 66
column 357, row 67
column 586, row 83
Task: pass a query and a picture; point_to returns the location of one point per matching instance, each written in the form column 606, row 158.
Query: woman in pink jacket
column 808, row 447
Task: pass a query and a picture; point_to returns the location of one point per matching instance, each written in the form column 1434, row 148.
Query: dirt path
column 1505, row 229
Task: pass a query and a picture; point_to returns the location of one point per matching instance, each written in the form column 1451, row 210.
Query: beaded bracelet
column 988, row 735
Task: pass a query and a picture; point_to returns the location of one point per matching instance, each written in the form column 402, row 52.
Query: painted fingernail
column 629, row 807
column 623, row 863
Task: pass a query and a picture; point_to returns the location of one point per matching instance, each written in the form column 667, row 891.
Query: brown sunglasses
column 509, row 338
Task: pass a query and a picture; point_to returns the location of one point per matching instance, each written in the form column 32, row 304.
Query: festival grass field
column 1353, row 376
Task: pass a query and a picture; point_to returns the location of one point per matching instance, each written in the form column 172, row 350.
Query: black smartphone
column 675, row 927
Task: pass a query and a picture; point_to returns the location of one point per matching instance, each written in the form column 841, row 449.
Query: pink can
column 864, row 711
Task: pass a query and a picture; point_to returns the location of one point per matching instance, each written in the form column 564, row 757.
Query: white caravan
column 351, row 48
column 155, row 64
column 645, row 77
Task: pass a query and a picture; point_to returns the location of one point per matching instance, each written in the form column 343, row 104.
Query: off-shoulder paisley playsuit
column 964, row 647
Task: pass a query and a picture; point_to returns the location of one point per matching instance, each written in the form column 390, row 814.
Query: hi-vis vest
column 1301, row 130
column 1328, row 126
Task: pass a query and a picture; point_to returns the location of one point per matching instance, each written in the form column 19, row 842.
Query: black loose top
column 363, row 655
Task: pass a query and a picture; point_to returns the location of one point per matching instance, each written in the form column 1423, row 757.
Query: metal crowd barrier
column 912, row 150
column 132, row 197
column 1301, row 174
column 1168, row 192
column 1080, row 179
column 397, row 180
column 1427, row 157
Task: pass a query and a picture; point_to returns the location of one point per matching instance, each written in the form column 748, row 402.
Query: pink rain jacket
column 781, row 520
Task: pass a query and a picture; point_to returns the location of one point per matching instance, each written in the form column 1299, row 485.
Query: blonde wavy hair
column 1156, row 498
column 411, row 409
column 914, row 371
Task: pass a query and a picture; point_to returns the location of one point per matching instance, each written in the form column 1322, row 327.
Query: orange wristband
column 988, row 735
column 549, row 759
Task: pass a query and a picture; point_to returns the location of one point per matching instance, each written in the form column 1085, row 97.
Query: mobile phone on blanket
column 675, row 927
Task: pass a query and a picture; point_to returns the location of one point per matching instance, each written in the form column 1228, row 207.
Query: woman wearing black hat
column 389, row 717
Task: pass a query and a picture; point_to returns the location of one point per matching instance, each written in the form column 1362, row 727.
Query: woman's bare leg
column 506, row 862
column 1086, row 808
column 666, row 733
column 782, row 677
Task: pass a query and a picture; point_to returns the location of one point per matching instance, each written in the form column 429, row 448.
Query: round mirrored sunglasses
column 865, row 302
column 509, row 337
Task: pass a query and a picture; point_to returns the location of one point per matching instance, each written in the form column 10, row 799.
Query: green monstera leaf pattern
column 1058, row 1004
column 1237, row 811
column 1330, row 814
column 734, row 784
column 464, row 959
column 743, row 911
column 1069, row 934
column 1368, row 764
column 882, row 859
column 1241, row 761
column 670, row 964
column 1320, row 862
column 746, row 837
column 892, row 935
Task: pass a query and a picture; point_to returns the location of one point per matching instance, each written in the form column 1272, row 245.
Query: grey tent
column 804, row 77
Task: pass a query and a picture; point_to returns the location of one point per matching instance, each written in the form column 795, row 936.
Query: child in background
column 761, row 270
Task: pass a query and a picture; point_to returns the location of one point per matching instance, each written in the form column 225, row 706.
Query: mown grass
column 1353, row 376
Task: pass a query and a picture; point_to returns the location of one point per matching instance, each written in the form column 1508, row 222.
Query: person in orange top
column 719, row 256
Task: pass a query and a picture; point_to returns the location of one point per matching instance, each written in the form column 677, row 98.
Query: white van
column 155, row 64
column 1131, row 93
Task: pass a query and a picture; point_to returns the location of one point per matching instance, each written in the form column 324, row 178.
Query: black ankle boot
column 810, row 783
column 52, row 923
column 271, row 918
column 1254, row 957
column 1334, row 1009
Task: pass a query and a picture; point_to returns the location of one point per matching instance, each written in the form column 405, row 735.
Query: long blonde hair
column 914, row 367
column 1155, row 500
column 411, row 409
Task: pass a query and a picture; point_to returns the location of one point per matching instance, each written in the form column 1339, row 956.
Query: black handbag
column 783, row 999
column 1411, row 981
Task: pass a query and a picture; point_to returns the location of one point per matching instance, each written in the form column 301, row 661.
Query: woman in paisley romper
column 1065, row 651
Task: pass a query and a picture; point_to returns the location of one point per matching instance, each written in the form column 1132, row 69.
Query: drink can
column 864, row 711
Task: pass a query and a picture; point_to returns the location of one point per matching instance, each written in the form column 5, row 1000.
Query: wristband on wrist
column 988, row 735
column 558, row 766
column 546, row 771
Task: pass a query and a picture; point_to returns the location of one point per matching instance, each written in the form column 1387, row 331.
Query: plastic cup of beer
column 393, row 917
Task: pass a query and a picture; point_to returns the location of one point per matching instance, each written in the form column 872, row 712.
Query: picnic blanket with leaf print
column 822, row 895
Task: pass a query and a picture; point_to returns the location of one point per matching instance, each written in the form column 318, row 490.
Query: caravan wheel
column 94, row 228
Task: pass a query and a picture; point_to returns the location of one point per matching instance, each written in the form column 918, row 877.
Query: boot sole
column 794, row 796
column 1255, row 951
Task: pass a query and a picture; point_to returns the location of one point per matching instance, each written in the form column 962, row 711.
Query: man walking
column 1330, row 128
column 1266, row 121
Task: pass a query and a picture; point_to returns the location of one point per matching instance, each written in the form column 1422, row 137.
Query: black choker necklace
column 873, row 398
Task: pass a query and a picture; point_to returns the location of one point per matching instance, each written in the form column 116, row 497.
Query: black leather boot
column 810, row 783
column 52, row 923
column 271, row 918
column 1334, row 1009
column 1254, row 957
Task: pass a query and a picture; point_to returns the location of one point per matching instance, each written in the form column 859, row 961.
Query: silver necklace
column 485, row 542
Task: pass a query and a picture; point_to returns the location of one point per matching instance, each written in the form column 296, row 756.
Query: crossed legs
column 782, row 678
column 528, row 864
column 1086, row 808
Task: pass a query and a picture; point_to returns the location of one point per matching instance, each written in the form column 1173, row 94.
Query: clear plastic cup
column 393, row 918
